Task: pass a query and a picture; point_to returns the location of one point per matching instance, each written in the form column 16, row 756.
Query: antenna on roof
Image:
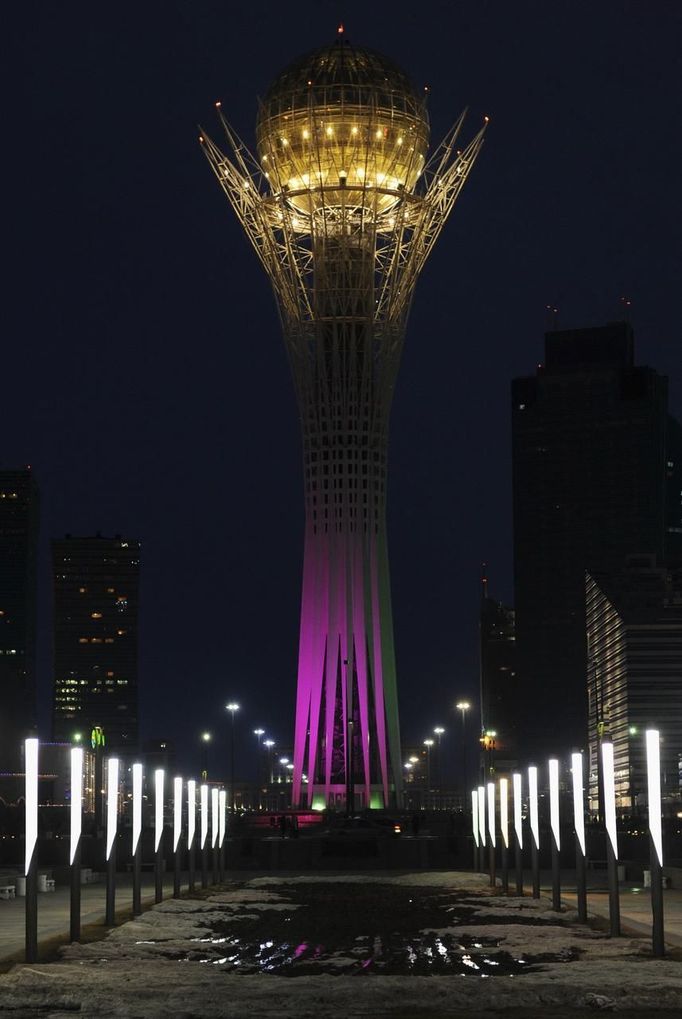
column 626, row 305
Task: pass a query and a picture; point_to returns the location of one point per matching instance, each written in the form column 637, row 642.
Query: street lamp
column 439, row 730
column 428, row 743
column 463, row 707
column 205, row 739
column 233, row 708
column 269, row 743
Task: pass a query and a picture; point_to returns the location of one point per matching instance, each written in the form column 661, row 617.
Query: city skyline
column 127, row 431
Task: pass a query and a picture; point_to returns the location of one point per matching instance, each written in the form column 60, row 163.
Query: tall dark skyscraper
column 18, row 545
column 590, row 466
column 96, row 583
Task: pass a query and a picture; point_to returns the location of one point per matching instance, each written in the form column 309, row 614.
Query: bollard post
column 504, row 831
column 474, row 825
column 554, row 824
column 491, row 833
column 653, row 767
column 609, row 787
column 222, row 806
column 75, row 842
column 481, row 828
column 137, row 844
column 112, row 822
column 204, row 835
column 518, row 831
column 159, row 779
column 579, row 828
column 177, row 834
column 191, row 830
column 534, row 828
column 31, row 855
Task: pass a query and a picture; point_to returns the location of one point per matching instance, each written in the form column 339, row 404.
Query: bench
column 7, row 891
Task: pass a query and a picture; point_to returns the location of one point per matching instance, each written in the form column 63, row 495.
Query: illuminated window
column 82, row 590
column 110, row 590
column 82, row 640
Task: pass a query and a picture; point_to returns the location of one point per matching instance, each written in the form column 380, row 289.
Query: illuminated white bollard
column 474, row 827
column 30, row 855
column 504, row 832
column 517, row 787
column 222, row 806
column 159, row 784
column 653, row 776
column 76, row 802
column 136, row 844
column 579, row 829
column 177, row 834
column 491, row 831
column 609, row 790
column 534, row 828
column 215, row 822
column 555, row 826
column 481, row 825
column 76, row 813
column 204, row 834
column 112, row 826
column 191, row 828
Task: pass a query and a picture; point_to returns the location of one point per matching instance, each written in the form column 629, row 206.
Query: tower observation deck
column 343, row 206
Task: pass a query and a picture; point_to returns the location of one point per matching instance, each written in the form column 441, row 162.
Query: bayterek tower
column 343, row 204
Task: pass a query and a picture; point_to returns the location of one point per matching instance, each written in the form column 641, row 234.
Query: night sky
column 143, row 373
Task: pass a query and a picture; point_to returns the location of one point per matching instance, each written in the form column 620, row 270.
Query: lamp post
column 30, row 840
column 579, row 828
column 112, row 821
column 609, row 787
column 136, row 844
column 206, row 738
column 653, row 769
column 233, row 708
column 428, row 743
column 534, row 828
column 439, row 730
column 75, row 842
column 517, row 787
column 269, row 744
column 259, row 733
column 177, row 832
column 556, row 832
column 463, row 707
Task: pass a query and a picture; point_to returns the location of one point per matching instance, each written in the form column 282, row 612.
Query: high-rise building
column 499, row 683
column 634, row 641
column 19, row 517
column 343, row 208
column 589, row 467
column 96, row 583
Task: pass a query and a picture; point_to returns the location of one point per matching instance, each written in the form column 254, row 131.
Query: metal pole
column 234, row 805
column 535, row 864
column 158, row 872
column 505, row 870
column 75, row 919
column 614, row 897
column 518, row 860
column 204, row 866
column 32, row 910
column 580, row 881
column 191, row 865
column 137, row 879
column 658, row 943
column 556, row 877
column 176, row 872
column 110, row 917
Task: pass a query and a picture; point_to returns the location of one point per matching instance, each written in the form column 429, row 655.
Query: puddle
column 340, row 930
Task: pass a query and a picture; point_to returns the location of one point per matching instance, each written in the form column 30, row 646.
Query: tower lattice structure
column 343, row 208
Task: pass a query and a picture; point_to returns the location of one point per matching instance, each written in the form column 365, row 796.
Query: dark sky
column 143, row 372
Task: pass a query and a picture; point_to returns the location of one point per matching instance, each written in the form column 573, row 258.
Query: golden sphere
column 342, row 128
